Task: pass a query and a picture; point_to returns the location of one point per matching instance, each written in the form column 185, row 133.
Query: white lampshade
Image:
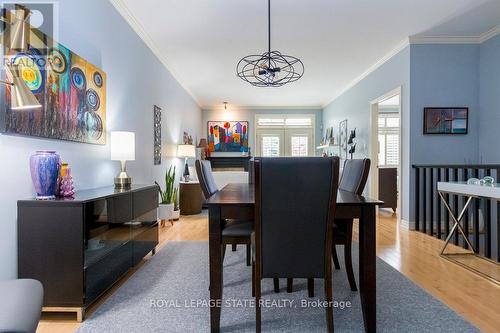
column 186, row 151
column 122, row 146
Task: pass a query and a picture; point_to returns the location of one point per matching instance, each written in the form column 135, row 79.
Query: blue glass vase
column 44, row 167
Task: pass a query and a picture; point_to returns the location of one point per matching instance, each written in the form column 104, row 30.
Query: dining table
column 237, row 201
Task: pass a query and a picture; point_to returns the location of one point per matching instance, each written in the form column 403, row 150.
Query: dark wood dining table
column 236, row 201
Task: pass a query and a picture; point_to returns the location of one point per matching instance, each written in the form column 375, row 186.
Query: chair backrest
column 295, row 200
column 354, row 175
column 206, row 178
column 251, row 172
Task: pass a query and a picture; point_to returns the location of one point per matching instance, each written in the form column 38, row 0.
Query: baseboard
column 410, row 225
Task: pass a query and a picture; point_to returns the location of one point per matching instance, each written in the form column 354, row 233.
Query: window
column 284, row 135
column 302, row 122
column 270, row 146
column 269, row 122
column 388, row 138
column 299, row 145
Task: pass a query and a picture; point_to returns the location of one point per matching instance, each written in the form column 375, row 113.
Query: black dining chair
column 234, row 232
column 297, row 195
column 354, row 177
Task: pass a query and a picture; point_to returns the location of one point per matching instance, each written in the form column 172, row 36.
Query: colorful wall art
column 446, row 120
column 228, row 136
column 71, row 90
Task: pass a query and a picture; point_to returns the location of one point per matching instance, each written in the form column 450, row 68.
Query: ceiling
column 201, row 42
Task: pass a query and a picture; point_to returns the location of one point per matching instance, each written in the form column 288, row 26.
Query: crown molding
column 456, row 39
column 420, row 40
column 400, row 47
column 126, row 13
column 444, row 39
column 489, row 34
column 257, row 108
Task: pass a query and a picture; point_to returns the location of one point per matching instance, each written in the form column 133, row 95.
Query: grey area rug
column 170, row 294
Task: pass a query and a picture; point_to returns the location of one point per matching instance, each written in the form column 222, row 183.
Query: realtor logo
column 24, row 23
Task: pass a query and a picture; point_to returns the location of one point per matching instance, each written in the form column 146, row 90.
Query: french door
column 271, row 143
column 285, row 142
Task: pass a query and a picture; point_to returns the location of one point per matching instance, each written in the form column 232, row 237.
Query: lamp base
column 123, row 181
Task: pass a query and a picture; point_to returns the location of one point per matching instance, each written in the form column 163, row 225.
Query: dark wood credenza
column 78, row 248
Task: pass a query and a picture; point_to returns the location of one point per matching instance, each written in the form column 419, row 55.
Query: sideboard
column 78, row 248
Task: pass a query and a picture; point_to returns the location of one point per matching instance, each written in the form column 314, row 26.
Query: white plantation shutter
column 270, row 146
column 388, row 138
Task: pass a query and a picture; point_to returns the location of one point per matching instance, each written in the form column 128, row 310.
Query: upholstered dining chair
column 234, row 232
column 297, row 195
column 354, row 177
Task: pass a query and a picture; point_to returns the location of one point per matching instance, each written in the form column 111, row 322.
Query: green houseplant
column 166, row 207
column 176, row 213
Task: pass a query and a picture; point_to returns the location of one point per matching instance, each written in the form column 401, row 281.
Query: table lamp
column 186, row 151
column 123, row 150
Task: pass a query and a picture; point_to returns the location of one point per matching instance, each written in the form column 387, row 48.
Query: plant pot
column 176, row 214
column 165, row 211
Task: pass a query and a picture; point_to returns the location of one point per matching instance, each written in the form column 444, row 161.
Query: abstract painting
column 228, row 136
column 446, row 120
column 71, row 90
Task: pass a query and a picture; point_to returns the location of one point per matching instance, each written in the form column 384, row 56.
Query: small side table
column 190, row 198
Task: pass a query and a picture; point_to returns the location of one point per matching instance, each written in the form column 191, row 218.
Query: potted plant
column 166, row 207
column 176, row 213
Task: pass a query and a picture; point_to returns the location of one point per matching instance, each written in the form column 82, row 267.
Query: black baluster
column 424, row 201
column 417, row 198
column 447, row 197
column 487, row 225
column 466, row 215
column 455, row 202
column 477, row 207
column 438, row 206
column 432, row 201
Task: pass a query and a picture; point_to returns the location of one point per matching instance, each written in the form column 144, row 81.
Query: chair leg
column 335, row 258
column 348, row 259
column 223, row 252
column 234, row 247
column 249, row 254
column 289, row 285
column 258, row 323
column 329, row 307
column 253, row 279
column 276, row 282
column 310, row 287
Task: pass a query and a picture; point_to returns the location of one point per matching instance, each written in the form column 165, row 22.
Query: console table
column 78, row 248
column 470, row 191
column 219, row 162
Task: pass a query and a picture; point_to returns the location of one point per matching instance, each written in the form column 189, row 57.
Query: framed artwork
column 70, row 89
column 157, row 134
column 227, row 136
column 343, row 137
column 446, row 120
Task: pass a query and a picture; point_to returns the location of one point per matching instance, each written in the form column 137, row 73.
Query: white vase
column 165, row 211
column 176, row 214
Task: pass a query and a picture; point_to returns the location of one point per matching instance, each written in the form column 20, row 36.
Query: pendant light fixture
column 225, row 105
column 271, row 69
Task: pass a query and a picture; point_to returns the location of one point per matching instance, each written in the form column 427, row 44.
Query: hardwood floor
column 412, row 253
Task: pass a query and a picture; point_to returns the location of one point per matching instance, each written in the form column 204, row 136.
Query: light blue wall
column 355, row 106
column 444, row 75
column 135, row 81
column 489, row 100
column 249, row 115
